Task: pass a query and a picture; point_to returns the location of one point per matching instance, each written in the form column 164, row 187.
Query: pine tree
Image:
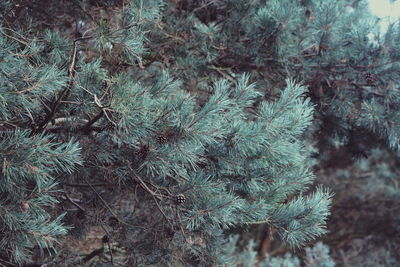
column 86, row 109
column 335, row 47
column 349, row 65
column 188, row 113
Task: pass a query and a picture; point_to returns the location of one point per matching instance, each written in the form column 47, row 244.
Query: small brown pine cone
column 180, row 199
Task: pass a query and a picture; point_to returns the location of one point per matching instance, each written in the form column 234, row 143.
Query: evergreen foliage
column 367, row 189
column 168, row 125
column 205, row 167
column 316, row 256
column 27, row 191
column 335, row 47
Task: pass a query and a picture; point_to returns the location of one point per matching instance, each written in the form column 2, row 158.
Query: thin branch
column 88, row 125
column 56, row 105
column 108, row 207
column 16, row 39
column 74, row 203
column 181, row 225
column 259, row 222
column 94, row 253
column 145, row 187
column 162, row 212
column 108, row 244
column 86, row 185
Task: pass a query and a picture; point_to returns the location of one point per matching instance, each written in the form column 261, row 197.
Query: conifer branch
column 64, row 92
column 145, row 187
column 92, row 121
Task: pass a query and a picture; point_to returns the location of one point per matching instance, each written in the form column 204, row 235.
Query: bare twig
column 108, row 244
column 108, row 207
column 162, row 212
column 74, row 203
column 181, row 225
column 93, row 254
column 16, row 39
column 86, row 185
column 145, row 187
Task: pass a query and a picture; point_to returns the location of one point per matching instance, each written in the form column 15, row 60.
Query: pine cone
column 180, row 199
column 370, row 78
column 161, row 139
